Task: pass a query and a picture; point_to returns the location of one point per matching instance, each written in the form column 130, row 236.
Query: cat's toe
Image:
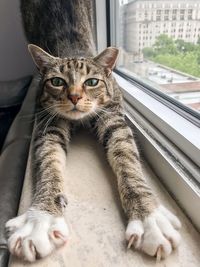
column 134, row 233
column 59, row 232
column 157, row 233
column 14, row 224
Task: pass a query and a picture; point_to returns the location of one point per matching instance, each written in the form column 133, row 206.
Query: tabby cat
column 77, row 85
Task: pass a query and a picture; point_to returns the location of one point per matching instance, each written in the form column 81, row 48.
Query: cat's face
column 75, row 88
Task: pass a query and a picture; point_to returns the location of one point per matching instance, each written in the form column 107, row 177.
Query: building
column 144, row 20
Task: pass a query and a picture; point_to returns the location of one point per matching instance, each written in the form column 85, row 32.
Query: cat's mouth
column 75, row 109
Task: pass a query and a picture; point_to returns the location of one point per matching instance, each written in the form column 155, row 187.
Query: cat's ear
column 108, row 58
column 41, row 58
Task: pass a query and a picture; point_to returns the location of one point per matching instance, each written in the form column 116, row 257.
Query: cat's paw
column 35, row 234
column 157, row 235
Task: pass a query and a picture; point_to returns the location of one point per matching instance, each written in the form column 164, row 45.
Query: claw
column 159, row 254
column 172, row 243
column 58, row 234
column 131, row 241
column 32, row 248
column 17, row 247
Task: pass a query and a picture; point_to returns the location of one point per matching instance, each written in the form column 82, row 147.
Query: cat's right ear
column 41, row 58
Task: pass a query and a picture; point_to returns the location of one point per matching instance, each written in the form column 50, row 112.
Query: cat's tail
column 61, row 27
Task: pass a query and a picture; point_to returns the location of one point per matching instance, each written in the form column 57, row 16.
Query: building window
column 158, row 12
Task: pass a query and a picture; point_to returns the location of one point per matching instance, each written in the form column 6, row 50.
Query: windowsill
column 96, row 218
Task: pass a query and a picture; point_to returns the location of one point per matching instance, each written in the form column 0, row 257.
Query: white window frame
column 170, row 143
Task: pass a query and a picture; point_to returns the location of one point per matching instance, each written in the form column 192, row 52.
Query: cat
column 78, row 85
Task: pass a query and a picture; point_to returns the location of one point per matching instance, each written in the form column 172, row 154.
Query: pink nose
column 74, row 98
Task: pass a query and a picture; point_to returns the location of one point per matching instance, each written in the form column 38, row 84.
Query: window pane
column 160, row 43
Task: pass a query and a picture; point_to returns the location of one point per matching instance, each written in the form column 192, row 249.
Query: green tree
column 184, row 47
column 164, row 45
column 148, row 52
column 178, row 54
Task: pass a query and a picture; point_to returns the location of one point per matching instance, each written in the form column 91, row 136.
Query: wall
column 15, row 61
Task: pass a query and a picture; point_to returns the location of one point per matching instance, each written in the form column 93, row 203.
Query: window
column 170, row 60
column 189, row 11
column 158, row 12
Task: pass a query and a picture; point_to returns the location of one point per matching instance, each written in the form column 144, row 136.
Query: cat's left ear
column 41, row 58
column 108, row 58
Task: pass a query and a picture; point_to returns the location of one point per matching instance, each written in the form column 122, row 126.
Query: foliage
column 148, row 52
column 177, row 54
column 164, row 45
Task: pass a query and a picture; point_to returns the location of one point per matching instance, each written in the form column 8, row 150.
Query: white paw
column 35, row 234
column 157, row 235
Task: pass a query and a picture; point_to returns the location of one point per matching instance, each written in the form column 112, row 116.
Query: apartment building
column 144, row 20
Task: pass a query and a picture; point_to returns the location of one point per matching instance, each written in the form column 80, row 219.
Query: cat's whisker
column 104, row 110
column 48, row 122
column 44, row 119
column 99, row 116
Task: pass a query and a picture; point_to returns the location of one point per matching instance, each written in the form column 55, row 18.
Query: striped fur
column 49, row 151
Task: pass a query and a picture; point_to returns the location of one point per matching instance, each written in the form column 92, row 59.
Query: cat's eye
column 91, row 82
column 56, row 81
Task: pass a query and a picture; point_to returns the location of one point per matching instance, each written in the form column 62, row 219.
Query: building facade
column 144, row 20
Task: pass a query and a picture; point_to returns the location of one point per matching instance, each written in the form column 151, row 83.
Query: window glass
column 160, row 43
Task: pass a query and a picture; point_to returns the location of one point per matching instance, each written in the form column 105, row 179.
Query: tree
column 184, row 47
column 180, row 45
column 165, row 45
column 148, row 52
column 198, row 41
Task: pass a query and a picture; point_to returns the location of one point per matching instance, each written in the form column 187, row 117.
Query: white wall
column 15, row 61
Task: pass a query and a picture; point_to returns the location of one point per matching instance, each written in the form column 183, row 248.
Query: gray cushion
column 13, row 92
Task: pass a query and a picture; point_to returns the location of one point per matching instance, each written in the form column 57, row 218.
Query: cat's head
column 75, row 87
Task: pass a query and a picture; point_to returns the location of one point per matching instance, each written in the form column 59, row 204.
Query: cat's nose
column 74, row 98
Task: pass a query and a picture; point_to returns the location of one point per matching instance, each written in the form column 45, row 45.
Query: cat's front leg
column 151, row 227
column 42, row 229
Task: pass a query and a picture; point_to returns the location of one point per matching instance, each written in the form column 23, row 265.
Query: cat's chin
column 76, row 115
